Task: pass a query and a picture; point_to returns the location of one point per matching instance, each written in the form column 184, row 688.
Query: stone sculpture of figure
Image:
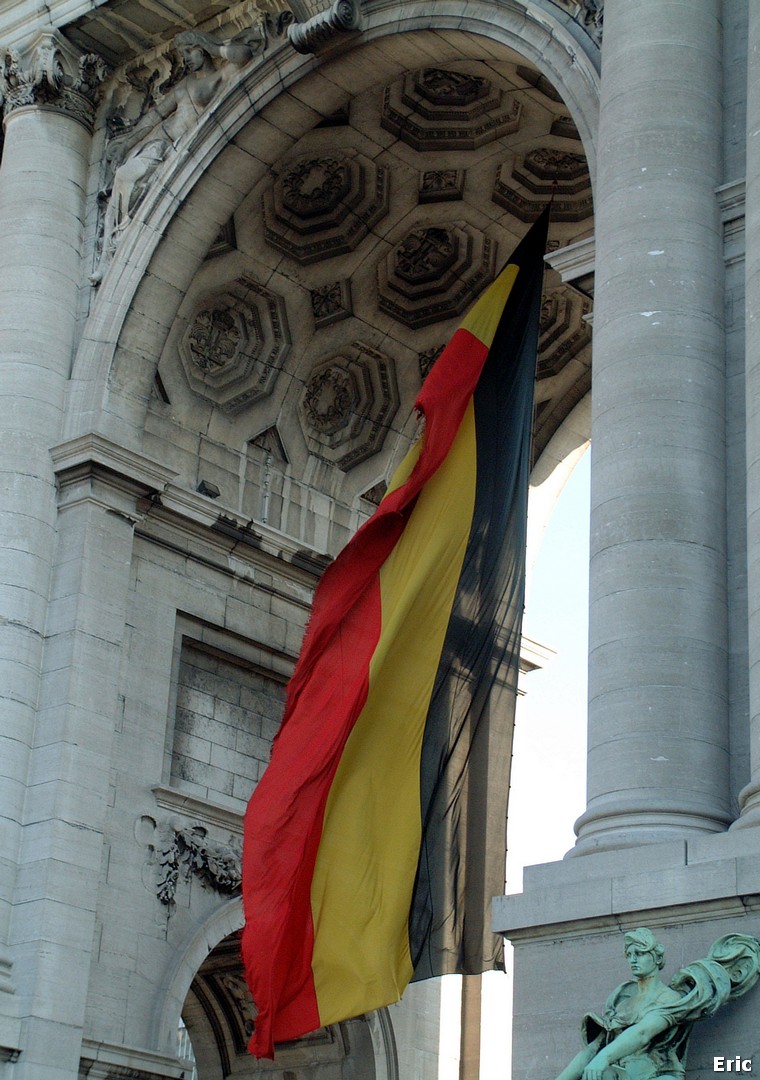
column 137, row 152
column 645, row 1027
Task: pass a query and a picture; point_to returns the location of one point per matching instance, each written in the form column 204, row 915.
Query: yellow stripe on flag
column 483, row 317
column 367, row 860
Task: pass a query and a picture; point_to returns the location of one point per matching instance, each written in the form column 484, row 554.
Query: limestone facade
column 235, row 238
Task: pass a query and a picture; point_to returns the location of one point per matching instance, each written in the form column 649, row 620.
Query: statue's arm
column 574, row 1071
column 635, row 1038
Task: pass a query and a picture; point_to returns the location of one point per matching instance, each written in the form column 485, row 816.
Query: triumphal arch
column 235, row 237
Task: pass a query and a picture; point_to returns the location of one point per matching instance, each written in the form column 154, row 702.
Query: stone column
column 47, row 95
column 750, row 796
column 658, row 754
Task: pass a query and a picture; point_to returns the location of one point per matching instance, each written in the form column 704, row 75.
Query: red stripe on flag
column 283, row 828
column 326, row 694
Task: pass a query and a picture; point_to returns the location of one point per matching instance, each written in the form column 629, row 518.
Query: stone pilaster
column 47, row 100
column 750, row 796
column 53, row 938
column 658, row 754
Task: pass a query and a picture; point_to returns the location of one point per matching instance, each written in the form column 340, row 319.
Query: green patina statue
column 646, row 1025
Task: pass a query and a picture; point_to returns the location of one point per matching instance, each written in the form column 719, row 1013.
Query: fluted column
column 47, row 94
column 658, row 756
column 750, row 796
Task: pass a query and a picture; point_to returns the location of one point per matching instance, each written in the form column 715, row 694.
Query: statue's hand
column 595, row 1071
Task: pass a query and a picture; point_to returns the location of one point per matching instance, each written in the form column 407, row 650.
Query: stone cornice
column 170, row 513
column 105, row 1061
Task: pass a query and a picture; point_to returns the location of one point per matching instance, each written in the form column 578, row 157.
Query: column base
column 617, row 825
column 749, row 802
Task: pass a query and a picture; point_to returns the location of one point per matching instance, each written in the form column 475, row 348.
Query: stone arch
column 206, row 988
column 173, row 991
column 114, row 366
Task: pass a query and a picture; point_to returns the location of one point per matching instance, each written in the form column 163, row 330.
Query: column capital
column 49, row 71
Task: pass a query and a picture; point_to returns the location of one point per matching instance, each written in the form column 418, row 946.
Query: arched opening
column 218, row 1015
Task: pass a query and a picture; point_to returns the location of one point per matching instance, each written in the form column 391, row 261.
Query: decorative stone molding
column 103, row 1061
column 540, row 82
column 441, row 185
column 331, row 303
column 347, row 405
column 50, row 72
column 235, row 344
column 525, row 184
column 563, row 330
column 323, row 27
column 564, row 127
column 190, row 852
column 435, row 273
column 438, row 109
column 322, row 206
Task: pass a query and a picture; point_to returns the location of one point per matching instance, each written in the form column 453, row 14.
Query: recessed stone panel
column 324, row 205
column 235, row 344
column 525, row 184
column 331, row 303
column 441, row 185
column 439, row 109
column 347, row 405
column 434, row 273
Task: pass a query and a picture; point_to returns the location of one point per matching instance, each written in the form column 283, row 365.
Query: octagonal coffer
column 435, row 273
column 348, row 404
column 235, row 344
column 525, row 184
column 324, row 205
column 441, row 109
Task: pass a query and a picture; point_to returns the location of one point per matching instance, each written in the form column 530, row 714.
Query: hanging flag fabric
column 375, row 839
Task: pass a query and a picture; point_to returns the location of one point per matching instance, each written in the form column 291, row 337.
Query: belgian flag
column 374, row 841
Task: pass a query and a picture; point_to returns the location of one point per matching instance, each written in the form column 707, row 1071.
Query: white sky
column 549, row 760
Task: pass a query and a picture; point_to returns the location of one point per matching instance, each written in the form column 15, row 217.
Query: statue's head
column 641, row 943
column 196, row 48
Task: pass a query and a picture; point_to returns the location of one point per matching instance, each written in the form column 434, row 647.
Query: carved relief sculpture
column 136, row 152
column 189, row 851
column 645, row 1028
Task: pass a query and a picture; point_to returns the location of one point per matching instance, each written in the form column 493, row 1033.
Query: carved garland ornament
column 190, row 852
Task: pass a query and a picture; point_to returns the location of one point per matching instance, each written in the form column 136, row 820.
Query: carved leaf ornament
column 190, row 852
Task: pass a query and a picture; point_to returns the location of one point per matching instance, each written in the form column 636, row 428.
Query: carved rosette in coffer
column 436, row 109
column 235, row 344
column 325, row 205
column 348, row 404
column 563, row 331
column 524, row 185
column 435, row 273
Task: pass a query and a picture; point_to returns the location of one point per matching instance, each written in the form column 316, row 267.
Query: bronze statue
column 646, row 1024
